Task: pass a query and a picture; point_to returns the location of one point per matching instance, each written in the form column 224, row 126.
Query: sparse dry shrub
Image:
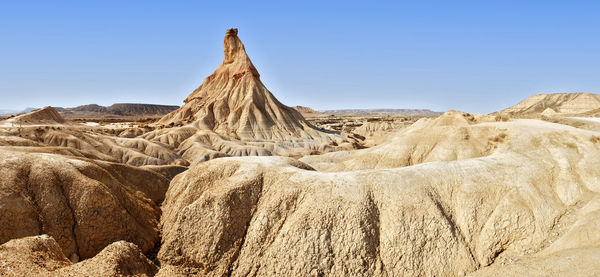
column 595, row 139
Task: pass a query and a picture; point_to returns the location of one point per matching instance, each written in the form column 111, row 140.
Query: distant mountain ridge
column 118, row 109
column 420, row 112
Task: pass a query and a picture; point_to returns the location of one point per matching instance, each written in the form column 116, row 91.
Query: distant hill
column 418, row 112
column 47, row 115
column 305, row 110
column 556, row 103
column 115, row 110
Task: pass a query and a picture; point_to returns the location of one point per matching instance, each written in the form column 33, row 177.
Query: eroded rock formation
column 564, row 103
column 523, row 188
column 84, row 204
column 42, row 256
column 45, row 116
column 233, row 114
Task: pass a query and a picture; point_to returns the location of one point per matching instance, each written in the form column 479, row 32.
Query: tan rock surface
column 84, row 204
column 376, row 132
column 367, row 130
column 85, row 142
column 536, row 192
column 47, row 115
column 306, row 111
column 117, row 259
column 566, row 103
column 570, row 262
column 452, row 136
column 42, row 256
column 45, row 131
column 233, row 114
column 233, row 102
column 31, row 256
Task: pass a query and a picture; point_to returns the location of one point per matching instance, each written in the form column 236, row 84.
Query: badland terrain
column 235, row 183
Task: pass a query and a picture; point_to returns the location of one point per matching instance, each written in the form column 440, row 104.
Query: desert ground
column 235, row 183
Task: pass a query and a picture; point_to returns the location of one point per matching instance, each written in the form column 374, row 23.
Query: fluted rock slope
column 452, row 136
column 562, row 103
column 232, row 113
column 235, row 103
column 47, row 115
column 306, row 111
column 533, row 194
column 84, row 204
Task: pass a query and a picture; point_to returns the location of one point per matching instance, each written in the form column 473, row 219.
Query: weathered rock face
column 306, row 111
column 31, row 256
column 42, row 256
column 565, row 103
column 117, row 259
column 276, row 216
column 232, row 113
column 569, row 262
column 233, row 102
column 84, row 204
column 77, row 141
column 45, row 131
column 452, row 136
column 47, row 115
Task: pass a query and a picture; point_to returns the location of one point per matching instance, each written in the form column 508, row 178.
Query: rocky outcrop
column 368, row 130
column 117, row 259
column 569, row 262
column 563, row 103
column 306, row 111
column 46, row 116
column 79, row 141
column 234, row 102
column 42, row 256
column 84, row 204
column 233, row 114
column 452, row 136
column 536, row 194
column 31, row 256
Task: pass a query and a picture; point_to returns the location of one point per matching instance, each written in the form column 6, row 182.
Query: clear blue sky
column 476, row 56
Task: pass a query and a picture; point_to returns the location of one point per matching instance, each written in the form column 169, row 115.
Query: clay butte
column 234, row 102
